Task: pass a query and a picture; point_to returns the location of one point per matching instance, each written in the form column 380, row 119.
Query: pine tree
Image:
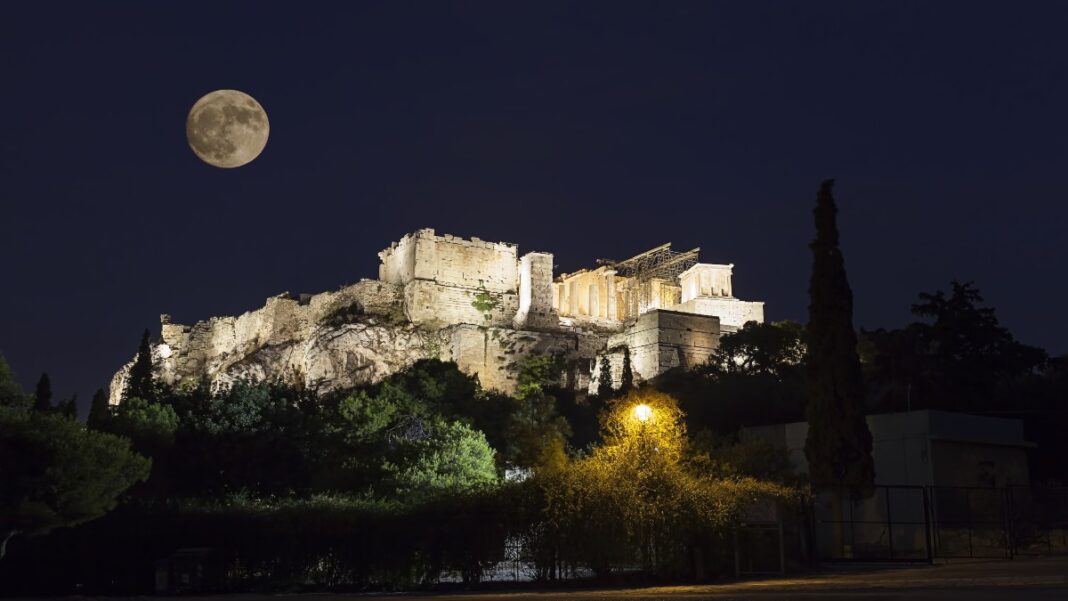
column 139, row 382
column 604, row 380
column 69, row 407
column 627, row 377
column 99, row 411
column 42, row 399
column 839, row 444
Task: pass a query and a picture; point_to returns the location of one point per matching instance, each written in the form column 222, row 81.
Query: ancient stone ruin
column 477, row 303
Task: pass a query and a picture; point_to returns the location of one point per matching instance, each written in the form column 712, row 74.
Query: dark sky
column 582, row 129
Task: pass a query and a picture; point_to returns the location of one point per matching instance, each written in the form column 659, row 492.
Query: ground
column 1021, row 579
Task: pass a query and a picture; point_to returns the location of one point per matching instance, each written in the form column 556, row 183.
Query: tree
column 11, row 394
column 56, row 473
column 776, row 349
column 150, row 426
column 42, row 398
column 957, row 356
column 756, row 376
column 538, row 434
column 69, row 407
column 451, row 458
column 140, row 382
column 839, row 444
column 604, row 379
column 261, row 439
column 639, row 496
column 99, row 410
column 626, row 379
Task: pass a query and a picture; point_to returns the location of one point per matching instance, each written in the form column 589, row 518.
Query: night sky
column 585, row 130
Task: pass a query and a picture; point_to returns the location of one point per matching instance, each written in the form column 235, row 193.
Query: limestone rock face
column 356, row 336
column 331, row 358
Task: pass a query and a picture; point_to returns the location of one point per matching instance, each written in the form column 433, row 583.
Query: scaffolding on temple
column 660, row 262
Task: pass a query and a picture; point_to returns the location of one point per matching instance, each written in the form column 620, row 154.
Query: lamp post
column 643, row 412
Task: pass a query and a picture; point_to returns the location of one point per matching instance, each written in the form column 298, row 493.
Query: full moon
column 227, row 128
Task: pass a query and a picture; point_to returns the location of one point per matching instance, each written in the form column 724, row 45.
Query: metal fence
column 971, row 522
column 917, row 523
column 892, row 525
column 1038, row 520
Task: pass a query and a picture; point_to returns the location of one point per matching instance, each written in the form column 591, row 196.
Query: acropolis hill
column 474, row 302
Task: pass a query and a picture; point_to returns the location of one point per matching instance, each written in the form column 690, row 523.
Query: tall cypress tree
column 99, row 411
column 627, row 377
column 42, row 398
column 139, row 382
column 839, row 444
column 604, row 380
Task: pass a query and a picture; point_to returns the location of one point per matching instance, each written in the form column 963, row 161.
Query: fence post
column 927, row 526
column 971, row 525
column 1010, row 522
column 737, row 556
column 782, row 543
column 889, row 524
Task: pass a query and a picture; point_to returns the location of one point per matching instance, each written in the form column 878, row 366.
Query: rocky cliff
column 356, row 335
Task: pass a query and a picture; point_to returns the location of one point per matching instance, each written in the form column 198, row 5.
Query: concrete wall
column 936, row 448
column 978, row 464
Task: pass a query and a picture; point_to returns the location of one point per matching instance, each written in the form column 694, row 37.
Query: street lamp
column 643, row 412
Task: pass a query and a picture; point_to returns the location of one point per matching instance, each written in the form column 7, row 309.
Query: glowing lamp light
column 643, row 412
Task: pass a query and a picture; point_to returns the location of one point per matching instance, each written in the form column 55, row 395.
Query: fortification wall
column 431, row 304
column 214, row 345
column 495, row 354
column 536, row 310
column 398, row 261
column 451, row 261
column 473, row 263
column 658, row 341
column 732, row 313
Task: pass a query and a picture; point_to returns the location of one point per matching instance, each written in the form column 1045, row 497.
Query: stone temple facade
column 480, row 304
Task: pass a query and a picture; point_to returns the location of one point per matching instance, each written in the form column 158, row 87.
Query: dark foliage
column 604, row 379
column 626, row 378
column 69, row 407
column 957, row 356
column 42, row 397
column 99, row 411
column 839, row 444
column 140, row 382
column 755, row 377
column 11, row 394
column 55, row 473
column 273, row 545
